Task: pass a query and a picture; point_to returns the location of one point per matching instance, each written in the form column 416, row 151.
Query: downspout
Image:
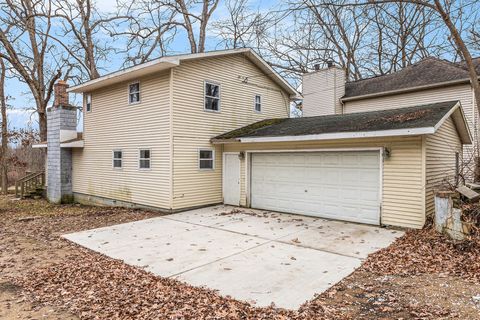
column 171, row 193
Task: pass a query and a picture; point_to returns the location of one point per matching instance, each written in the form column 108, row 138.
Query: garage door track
column 252, row 255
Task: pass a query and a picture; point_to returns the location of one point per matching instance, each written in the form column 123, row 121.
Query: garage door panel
column 340, row 185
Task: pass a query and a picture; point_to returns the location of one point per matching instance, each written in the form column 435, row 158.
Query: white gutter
column 336, row 135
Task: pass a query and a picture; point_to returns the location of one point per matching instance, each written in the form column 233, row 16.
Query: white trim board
column 340, row 135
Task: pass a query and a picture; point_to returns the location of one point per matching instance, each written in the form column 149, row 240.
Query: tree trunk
column 42, row 123
column 4, row 149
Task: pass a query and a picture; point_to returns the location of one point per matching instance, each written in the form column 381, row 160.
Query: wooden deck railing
column 30, row 184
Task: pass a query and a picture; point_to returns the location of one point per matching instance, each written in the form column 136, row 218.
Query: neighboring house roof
column 429, row 72
column 424, row 119
column 168, row 62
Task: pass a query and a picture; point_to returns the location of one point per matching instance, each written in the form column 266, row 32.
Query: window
column 258, row 103
column 117, row 159
column 134, row 93
column 144, row 159
column 212, row 96
column 88, row 102
column 206, row 159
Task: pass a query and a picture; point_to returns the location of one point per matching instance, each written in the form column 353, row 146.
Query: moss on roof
column 402, row 118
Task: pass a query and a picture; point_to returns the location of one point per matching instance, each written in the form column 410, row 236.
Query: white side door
column 231, row 179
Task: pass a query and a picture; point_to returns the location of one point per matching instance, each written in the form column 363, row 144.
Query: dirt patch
column 29, row 240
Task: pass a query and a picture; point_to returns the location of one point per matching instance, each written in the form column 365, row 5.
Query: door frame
column 248, row 168
column 224, row 154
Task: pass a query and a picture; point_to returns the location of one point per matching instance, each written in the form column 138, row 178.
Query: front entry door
column 231, row 179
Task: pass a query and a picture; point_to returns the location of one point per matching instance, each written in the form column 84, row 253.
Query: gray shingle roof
column 402, row 118
column 425, row 72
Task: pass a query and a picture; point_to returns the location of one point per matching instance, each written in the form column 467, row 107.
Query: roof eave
column 125, row 75
column 173, row 61
column 333, row 136
column 405, row 90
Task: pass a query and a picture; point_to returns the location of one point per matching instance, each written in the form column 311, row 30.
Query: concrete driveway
column 252, row 255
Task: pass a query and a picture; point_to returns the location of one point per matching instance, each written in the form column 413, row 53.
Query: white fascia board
column 39, row 145
column 73, row 144
column 344, row 135
column 127, row 74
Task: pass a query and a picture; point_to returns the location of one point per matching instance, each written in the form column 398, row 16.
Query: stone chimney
column 322, row 90
column 61, row 126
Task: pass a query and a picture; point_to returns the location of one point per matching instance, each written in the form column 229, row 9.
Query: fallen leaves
column 97, row 287
column 426, row 251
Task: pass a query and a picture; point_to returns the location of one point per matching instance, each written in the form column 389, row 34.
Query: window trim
column 213, row 159
column 113, row 159
column 139, row 92
column 87, row 95
column 149, row 159
column 255, row 103
column 205, row 82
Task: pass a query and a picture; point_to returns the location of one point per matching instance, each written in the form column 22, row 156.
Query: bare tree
column 195, row 14
column 86, row 27
column 27, row 46
column 152, row 26
column 446, row 11
column 243, row 27
column 3, row 109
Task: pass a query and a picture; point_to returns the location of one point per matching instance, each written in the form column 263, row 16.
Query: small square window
column 205, row 159
column 88, row 102
column 134, row 93
column 117, row 159
column 258, row 103
column 212, row 96
column 144, row 159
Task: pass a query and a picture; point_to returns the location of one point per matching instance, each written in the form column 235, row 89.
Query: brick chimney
column 61, row 126
column 60, row 94
column 322, row 90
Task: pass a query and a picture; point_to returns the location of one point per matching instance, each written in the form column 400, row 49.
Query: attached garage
column 378, row 167
column 342, row 185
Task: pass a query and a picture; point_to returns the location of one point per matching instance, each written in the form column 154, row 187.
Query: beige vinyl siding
column 115, row 124
column 403, row 173
column 440, row 165
column 462, row 92
column 240, row 80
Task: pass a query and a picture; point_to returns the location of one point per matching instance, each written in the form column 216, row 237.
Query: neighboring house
column 193, row 130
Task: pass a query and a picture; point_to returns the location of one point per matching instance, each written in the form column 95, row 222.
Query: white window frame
column 139, row 92
column 113, row 159
column 255, row 103
column 213, row 159
column 87, row 96
column 149, row 159
column 205, row 95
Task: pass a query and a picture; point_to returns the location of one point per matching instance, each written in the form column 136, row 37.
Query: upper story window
column 212, row 96
column 144, row 159
column 205, row 159
column 258, row 103
column 134, row 93
column 88, row 102
column 117, row 159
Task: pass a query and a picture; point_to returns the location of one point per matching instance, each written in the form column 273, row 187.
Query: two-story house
column 193, row 130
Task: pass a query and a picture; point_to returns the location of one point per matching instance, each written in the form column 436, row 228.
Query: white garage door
column 337, row 185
